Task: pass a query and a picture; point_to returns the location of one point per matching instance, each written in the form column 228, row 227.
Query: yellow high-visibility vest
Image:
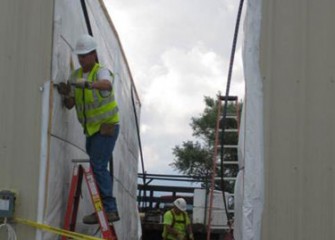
column 178, row 223
column 92, row 108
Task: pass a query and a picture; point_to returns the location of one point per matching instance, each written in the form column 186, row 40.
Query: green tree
column 195, row 158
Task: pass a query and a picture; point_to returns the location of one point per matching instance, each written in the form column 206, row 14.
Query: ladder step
column 229, row 162
column 229, row 146
column 226, row 178
column 229, row 98
column 230, row 130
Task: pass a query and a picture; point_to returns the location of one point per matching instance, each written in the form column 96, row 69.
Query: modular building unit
column 38, row 136
column 287, row 170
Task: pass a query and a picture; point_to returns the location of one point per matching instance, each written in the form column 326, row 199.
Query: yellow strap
column 59, row 231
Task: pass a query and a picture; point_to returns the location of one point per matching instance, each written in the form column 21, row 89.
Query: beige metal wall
column 298, row 71
column 25, row 55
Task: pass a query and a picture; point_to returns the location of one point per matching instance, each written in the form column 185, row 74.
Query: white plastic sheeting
column 249, row 187
column 201, row 213
column 65, row 135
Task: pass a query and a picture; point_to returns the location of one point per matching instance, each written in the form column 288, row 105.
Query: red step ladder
column 107, row 230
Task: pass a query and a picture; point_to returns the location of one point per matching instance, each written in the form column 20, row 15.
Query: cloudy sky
column 178, row 52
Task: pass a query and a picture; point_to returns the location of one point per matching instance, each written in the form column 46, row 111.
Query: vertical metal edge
column 44, row 152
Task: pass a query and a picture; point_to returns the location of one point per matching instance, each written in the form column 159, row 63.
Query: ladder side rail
column 211, row 197
column 76, row 198
column 106, row 230
column 73, row 200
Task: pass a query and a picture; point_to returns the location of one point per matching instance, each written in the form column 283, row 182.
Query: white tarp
column 65, row 135
column 249, row 187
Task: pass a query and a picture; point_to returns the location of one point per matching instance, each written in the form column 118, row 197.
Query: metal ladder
column 219, row 128
column 107, row 229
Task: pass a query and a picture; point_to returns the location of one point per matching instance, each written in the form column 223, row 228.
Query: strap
column 174, row 219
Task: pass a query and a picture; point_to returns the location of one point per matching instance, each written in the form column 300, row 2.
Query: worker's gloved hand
column 81, row 83
column 63, row 88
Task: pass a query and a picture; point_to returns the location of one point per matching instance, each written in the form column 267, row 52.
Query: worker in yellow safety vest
column 177, row 224
column 97, row 110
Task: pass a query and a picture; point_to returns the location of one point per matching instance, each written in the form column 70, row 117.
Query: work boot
column 113, row 216
column 91, row 219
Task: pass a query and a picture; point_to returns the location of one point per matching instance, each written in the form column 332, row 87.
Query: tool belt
column 107, row 129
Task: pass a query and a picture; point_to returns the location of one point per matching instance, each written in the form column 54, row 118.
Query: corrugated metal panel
column 298, row 70
column 25, row 46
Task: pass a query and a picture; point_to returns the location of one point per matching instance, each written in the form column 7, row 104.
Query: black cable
column 139, row 140
column 237, row 25
column 64, row 140
column 137, row 129
column 87, row 19
column 89, row 29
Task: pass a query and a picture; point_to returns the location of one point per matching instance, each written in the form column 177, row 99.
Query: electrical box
column 7, row 204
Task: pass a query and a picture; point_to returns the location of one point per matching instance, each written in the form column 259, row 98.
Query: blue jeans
column 100, row 150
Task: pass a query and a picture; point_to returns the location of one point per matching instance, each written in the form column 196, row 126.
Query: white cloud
column 176, row 89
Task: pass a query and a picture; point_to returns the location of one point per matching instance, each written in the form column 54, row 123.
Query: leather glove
column 63, row 88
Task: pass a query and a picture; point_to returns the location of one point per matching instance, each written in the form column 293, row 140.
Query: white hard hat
column 85, row 44
column 180, row 203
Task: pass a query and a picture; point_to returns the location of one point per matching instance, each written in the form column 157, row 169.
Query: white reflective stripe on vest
column 101, row 116
column 96, row 104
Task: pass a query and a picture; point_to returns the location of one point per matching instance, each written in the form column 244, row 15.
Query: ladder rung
column 229, row 146
column 230, row 162
column 229, row 98
column 231, row 117
column 231, row 130
column 226, row 178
